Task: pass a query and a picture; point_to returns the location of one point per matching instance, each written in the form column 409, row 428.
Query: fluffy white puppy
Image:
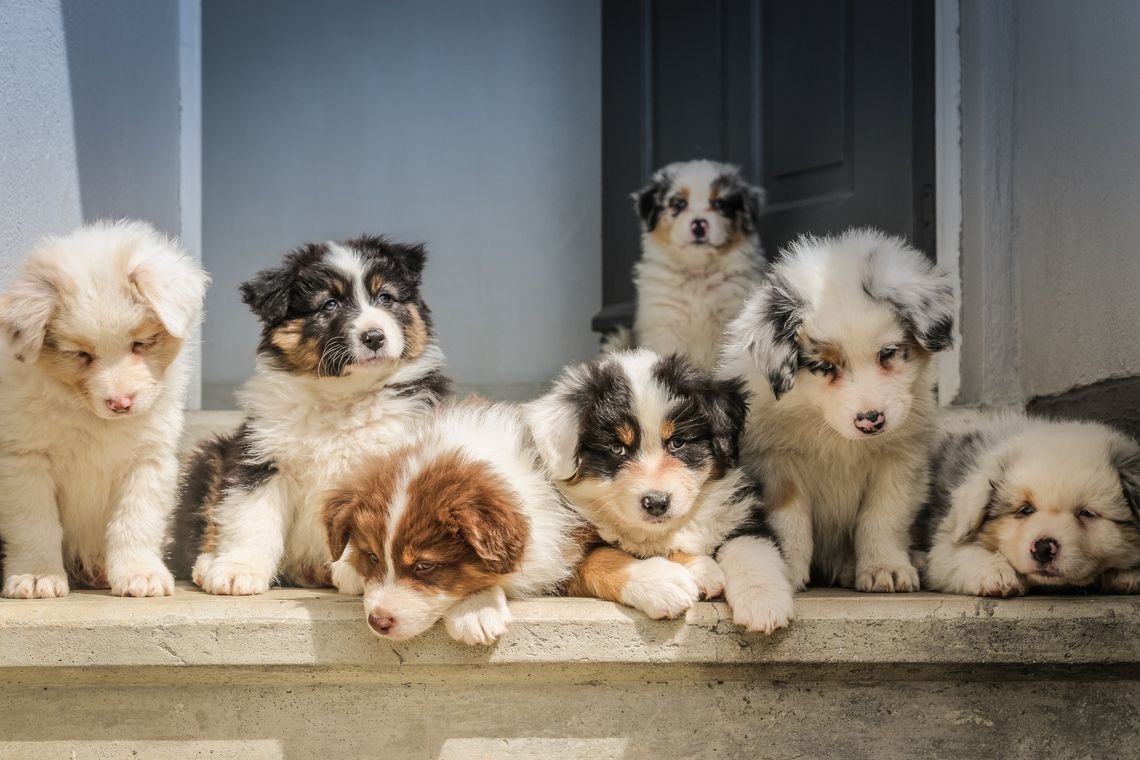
column 1019, row 503
column 92, row 376
column 836, row 347
column 700, row 257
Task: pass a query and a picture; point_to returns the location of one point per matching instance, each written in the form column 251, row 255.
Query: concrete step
column 296, row 674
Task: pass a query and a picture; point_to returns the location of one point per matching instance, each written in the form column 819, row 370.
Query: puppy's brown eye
column 421, row 569
column 678, row 205
column 1026, row 510
column 1087, row 514
column 676, row 443
column 887, row 353
column 373, row 558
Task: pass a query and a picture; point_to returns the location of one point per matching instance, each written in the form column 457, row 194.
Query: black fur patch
column 435, row 386
column 757, row 522
column 784, row 314
column 605, row 404
column 711, row 414
column 740, row 202
column 649, row 201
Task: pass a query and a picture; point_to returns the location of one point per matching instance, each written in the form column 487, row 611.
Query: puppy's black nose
column 655, row 503
column 372, row 339
column 1044, row 550
column 870, row 421
column 699, row 227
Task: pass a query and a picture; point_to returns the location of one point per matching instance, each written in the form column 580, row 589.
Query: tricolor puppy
column 645, row 448
column 836, row 345
column 451, row 526
column 700, row 257
column 1019, row 503
column 347, row 368
column 92, row 374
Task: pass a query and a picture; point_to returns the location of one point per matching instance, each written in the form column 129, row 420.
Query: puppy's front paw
column 143, row 582
column 660, row 588
column 234, row 579
column 346, row 579
column 1121, row 582
column 29, row 586
column 708, row 576
column 479, row 620
column 762, row 610
column 999, row 579
column 886, row 577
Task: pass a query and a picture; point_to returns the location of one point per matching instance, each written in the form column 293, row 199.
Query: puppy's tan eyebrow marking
column 625, row 434
column 667, row 429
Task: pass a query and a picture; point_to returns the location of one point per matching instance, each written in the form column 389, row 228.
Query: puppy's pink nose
column 120, row 404
column 382, row 621
column 870, row 422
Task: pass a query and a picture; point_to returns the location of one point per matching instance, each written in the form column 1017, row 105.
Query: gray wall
column 1051, row 189
column 473, row 126
column 88, row 117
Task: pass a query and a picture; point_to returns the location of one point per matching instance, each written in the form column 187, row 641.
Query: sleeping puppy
column 1019, row 503
column 93, row 375
column 645, row 448
column 451, row 526
column 347, row 368
column 700, row 257
column 836, row 347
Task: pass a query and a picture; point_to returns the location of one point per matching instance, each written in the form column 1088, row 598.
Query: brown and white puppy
column 700, row 257
column 347, row 368
column 836, row 345
column 645, row 448
column 1020, row 503
column 452, row 526
column 93, row 376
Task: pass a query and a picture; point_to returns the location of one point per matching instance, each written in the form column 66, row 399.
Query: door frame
column 948, row 179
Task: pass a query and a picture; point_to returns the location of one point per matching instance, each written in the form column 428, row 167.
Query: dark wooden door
column 828, row 104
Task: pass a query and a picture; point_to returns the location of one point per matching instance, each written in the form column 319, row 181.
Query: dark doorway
column 828, row 104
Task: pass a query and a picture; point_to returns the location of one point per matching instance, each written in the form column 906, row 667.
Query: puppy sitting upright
column 836, row 345
column 645, row 448
column 93, row 376
column 347, row 368
column 1019, row 503
column 700, row 258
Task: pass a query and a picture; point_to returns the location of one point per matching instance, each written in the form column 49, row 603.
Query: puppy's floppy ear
column 975, row 499
column 269, row 291
column 649, row 201
column 921, row 295
column 338, row 509
column 726, row 407
column 410, row 257
column 169, row 282
column 493, row 527
column 27, row 308
column 1125, row 455
column 554, row 425
column 762, row 338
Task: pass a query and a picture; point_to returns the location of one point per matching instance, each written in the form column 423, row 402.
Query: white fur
column 842, row 502
column 756, row 584
column 659, row 588
column 79, row 486
column 687, row 293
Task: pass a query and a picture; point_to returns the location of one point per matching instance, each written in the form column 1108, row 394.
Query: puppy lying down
column 645, row 448
column 1019, row 503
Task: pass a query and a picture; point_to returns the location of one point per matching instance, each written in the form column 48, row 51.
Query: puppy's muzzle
column 655, row 503
column 870, row 422
column 700, row 229
column 373, row 340
column 1044, row 550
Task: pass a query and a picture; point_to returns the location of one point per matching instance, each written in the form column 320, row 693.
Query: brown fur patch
column 625, row 434
column 301, row 354
column 358, row 513
column 683, row 558
column 416, row 334
column 784, row 494
column 989, row 534
column 668, row 427
column 602, row 575
column 375, row 283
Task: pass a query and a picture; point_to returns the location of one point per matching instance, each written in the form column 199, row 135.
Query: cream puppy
column 93, row 373
column 836, row 347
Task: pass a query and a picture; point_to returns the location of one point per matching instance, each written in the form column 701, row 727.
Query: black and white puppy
column 1019, row 503
column 700, row 257
column 836, row 345
column 645, row 448
column 348, row 368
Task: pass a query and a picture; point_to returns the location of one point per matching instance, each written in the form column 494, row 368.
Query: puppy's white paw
column 762, row 610
column 999, row 579
column 480, row 619
column 201, row 567
column 886, row 577
column 1121, row 582
column 346, row 579
column 142, row 582
column 234, row 579
column 660, row 588
column 708, row 575
column 29, row 586
column 800, row 575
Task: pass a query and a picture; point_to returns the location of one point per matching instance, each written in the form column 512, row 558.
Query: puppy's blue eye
column 385, row 298
column 676, row 443
column 720, row 205
column 1026, row 510
column 617, row 450
column 887, row 354
column 330, row 305
column 678, row 205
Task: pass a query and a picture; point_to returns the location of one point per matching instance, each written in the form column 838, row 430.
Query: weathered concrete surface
column 296, row 674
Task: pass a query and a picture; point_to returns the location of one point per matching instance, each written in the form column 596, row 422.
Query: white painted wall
column 473, row 126
column 1051, row 188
